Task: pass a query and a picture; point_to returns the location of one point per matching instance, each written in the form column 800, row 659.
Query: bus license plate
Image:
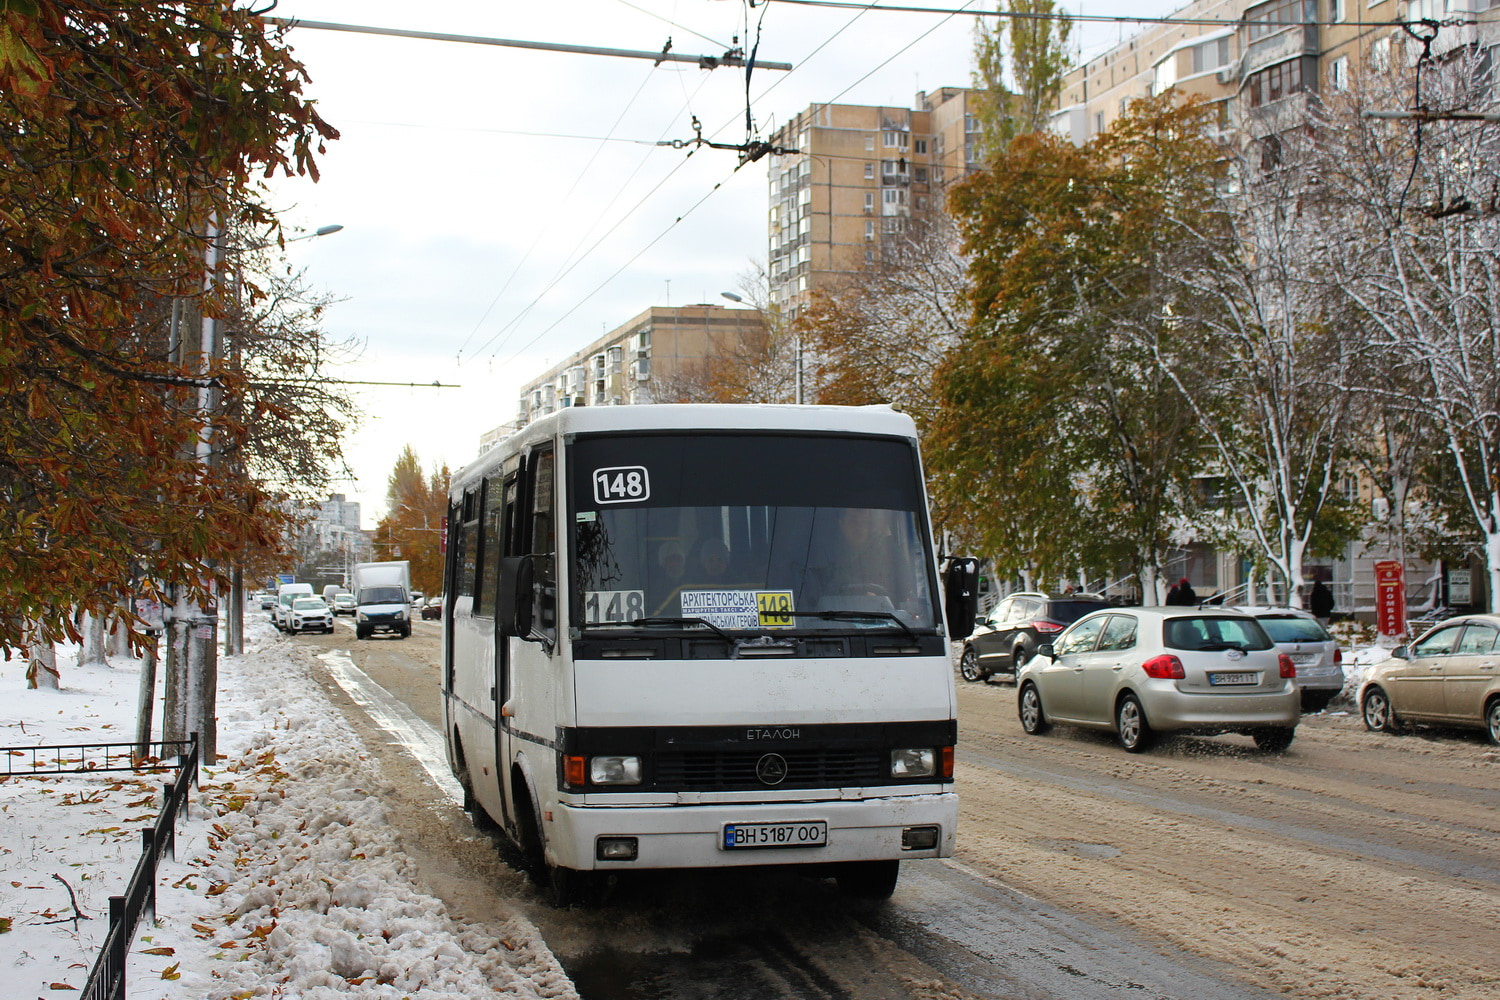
column 1233, row 679
column 738, row 836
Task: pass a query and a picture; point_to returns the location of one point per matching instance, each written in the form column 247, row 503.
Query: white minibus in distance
column 697, row 636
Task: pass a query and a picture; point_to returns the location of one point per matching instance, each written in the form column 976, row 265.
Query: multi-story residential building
column 331, row 529
column 621, row 367
column 861, row 175
column 1258, row 61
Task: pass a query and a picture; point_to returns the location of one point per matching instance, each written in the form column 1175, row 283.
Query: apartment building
column 620, row 367
column 1257, row 62
column 861, row 175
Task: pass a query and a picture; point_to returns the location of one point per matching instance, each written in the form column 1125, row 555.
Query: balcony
column 1290, row 42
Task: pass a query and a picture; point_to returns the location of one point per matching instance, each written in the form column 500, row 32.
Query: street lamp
column 235, row 640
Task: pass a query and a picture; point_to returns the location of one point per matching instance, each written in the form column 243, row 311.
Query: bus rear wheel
column 868, row 879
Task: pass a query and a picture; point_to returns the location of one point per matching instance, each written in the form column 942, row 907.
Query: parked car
column 281, row 611
column 418, row 599
column 344, row 604
column 1143, row 671
column 1450, row 676
column 267, row 601
column 309, row 614
column 433, row 609
column 1010, row 634
column 1320, row 662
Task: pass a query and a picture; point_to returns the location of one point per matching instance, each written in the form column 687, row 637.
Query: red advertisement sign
column 1390, row 598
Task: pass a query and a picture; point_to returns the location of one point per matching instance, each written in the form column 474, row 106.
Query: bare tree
column 1271, row 378
column 1420, row 203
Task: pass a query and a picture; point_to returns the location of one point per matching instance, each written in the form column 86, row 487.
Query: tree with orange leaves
column 128, row 130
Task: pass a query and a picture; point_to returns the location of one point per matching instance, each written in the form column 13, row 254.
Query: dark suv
column 1010, row 634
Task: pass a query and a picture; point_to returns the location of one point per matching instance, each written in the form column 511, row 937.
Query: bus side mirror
column 961, row 596
column 517, row 596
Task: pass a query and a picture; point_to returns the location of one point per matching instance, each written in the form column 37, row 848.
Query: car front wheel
column 1377, row 711
column 1492, row 719
column 1130, row 722
column 968, row 665
column 1029, row 707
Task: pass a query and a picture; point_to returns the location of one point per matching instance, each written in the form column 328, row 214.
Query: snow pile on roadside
column 289, row 879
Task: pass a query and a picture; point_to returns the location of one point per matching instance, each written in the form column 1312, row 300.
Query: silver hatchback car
column 1143, row 671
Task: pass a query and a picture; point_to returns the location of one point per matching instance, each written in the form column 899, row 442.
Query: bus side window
column 468, row 544
column 543, row 540
column 492, row 542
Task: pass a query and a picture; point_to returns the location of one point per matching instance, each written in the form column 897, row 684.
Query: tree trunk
column 203, row 683
column 174, row 699
column 93, row 652
column 41, row 659
column 235, row 626
column 1492, row 563
column 1294, row 577
column 146, row 698
column 1151, row 592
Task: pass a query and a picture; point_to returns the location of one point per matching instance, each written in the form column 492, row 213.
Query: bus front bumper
column 694, row 836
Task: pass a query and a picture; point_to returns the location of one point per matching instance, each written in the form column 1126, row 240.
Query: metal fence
column 107, row 979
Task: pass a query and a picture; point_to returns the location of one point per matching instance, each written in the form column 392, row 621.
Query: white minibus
column 697, row 636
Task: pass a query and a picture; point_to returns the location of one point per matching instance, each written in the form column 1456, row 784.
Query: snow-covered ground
column 288, row 881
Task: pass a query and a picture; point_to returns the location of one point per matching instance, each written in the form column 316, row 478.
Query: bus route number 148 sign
column 621, row 484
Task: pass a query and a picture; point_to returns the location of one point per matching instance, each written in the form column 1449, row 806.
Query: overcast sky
column 503, row 206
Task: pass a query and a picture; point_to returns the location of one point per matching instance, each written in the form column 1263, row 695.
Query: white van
column 285, row 594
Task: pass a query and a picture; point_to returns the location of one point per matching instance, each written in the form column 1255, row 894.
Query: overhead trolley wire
column 1061, row 15
column 824, row 44
column 696, row 205
column 710, row 193
column 508, row 329
column 618, row 271
column 666, row 20
column 540, row 231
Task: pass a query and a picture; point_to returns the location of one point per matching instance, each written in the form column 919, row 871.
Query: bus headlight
column 614, row 770
column 913, row 762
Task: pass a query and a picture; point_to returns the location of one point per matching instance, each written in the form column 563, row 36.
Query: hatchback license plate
column 740, row 836
column 1240, row 678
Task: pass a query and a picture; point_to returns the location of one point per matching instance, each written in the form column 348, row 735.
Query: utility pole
column 192, row 631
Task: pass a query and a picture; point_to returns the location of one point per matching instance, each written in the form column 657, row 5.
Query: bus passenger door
column 505, row 514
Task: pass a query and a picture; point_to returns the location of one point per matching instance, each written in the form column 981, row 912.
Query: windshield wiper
column 853, row 616
column 666, row 621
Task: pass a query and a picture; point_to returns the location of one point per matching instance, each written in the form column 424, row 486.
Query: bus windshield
column 750, row 533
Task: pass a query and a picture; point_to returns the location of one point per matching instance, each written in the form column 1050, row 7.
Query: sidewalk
column 288, row 881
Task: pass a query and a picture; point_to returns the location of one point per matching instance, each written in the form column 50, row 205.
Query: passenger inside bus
column 672, row 561
column 855, row 571
column 712, row 567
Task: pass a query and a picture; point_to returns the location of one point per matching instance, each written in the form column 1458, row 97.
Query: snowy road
column 952, row 930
